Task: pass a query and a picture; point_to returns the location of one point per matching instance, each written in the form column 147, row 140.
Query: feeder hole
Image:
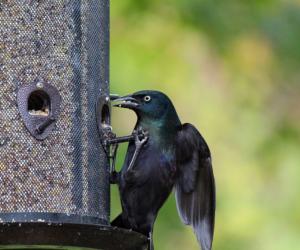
column 105, row 115
column 39, row 103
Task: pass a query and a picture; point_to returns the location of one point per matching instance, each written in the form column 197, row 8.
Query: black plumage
column 175, row 156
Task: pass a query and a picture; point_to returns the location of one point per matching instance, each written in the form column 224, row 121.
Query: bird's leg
column 139, row 143
column 114, row 175
column 122, row 139
column 114, row 149
column 111, row 151
column 111, row 143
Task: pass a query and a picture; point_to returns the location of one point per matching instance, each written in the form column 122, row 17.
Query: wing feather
column 195, row 186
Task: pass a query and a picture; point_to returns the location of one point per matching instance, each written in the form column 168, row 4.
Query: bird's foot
column 107, row 135
column 114, row 177
column 140, row 138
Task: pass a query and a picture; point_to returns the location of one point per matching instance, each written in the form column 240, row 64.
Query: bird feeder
column 54, row 173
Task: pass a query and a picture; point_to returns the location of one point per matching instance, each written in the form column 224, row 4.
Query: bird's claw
column 140, row 138
column 108, row 134
column 114, row 177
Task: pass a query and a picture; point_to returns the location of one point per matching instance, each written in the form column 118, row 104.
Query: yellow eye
column 147, row 98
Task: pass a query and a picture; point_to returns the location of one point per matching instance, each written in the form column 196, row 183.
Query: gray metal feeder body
column 54, row 176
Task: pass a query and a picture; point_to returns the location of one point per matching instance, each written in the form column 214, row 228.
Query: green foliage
column 232, row 69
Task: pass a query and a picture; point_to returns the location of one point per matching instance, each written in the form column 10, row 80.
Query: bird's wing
column 195, row 186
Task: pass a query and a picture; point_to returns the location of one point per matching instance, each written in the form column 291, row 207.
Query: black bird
column 174, row 156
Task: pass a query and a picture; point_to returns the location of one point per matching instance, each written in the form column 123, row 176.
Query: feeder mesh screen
column 62, row 43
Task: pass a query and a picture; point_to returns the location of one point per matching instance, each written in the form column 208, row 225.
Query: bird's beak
column 126, row 102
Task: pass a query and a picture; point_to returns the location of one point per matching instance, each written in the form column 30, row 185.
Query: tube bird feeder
column 54, row 176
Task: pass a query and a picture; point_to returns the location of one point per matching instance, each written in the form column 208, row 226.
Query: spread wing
column 195, row 186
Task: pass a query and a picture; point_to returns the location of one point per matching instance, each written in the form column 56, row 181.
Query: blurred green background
column 232, row 69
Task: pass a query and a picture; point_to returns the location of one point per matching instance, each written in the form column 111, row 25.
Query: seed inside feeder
column 39, row 103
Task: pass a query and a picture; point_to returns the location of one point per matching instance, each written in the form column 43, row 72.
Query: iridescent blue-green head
column 150, row 106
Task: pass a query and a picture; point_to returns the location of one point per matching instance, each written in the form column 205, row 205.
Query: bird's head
column 149, row 105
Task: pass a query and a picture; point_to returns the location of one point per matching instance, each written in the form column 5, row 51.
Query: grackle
column 172, row 156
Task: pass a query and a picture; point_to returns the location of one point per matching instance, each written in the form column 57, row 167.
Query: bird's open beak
column 126, row 102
